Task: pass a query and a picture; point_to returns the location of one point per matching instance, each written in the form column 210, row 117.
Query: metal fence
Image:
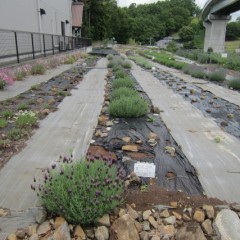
column 16, row 46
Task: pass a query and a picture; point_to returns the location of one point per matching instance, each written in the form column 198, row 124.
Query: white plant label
column 144, row 169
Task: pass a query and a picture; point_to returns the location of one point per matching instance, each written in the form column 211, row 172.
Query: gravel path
column 218, row 164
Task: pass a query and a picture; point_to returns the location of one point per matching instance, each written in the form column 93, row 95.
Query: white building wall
column 23, row 15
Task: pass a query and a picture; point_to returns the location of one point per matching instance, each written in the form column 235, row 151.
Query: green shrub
column 141, row 62
column 122, row 92
column 198, row 74
column 70, row 60
column 38, row 68
column 111, row 64
column 116, row 68
column 127, row 64
column 123, row 82
column 133, row 106
column 120, row 74
column 35, row 87
column 26, row 119
column 109, row 57
column 22, row 106
column 186, row 68
column 82, row 191
column 3, row 123
column 6, row 114
column 217, row 76
column 2, row 84
column 235, row 84
column 15, row 134
column 20, row 75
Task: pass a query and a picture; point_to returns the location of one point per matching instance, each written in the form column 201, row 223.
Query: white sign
column 224, row 55
column 144, row 169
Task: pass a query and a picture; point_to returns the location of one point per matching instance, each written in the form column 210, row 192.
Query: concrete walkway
column 218, row 164
column 221, row 92
column 68, row 130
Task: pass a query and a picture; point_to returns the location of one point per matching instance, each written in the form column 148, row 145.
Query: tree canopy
column 104, row 19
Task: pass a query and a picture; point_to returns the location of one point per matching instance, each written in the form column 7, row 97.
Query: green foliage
column 22, row 106
column 2, row 84
column 129, row 107
column 235, row 84
column 141, row 61
column 26, row 119
column 81, row 191
column 109, row 57
column 123, row 82
column 70, row 60
column 120, row 74
column 20, row 75
column 3, row 123
column 122, row 92
column 6, row 114
column 172, row 46
column 4, row 144
column 127, row 64
column 38, row 68
column 35, row 87
column 16, row 133
column 218, row 76
column 198, row 74
column 233, row 31
column 186, row 33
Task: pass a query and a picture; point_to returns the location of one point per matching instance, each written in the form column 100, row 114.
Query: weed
column 6, row 114
column 3, row 123
column 35, row 87
column 198, row 74
column 120, row 74
column 22, row 106
column 20, row 75
column 38, row 68
column 4, row 144
column 2, row 84
column 26, row 119
column 15, row 134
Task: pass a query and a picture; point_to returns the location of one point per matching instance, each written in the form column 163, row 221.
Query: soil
column 42, row 99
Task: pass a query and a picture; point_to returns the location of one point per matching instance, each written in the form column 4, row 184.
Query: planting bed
column 40, row 99
column 226, row 114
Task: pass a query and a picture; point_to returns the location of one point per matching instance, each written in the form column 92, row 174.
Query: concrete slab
column 221, row 92
column 67, row 130
column 218, row 164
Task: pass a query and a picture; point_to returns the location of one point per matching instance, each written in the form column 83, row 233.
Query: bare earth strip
column 218, row 164
column 67, row 130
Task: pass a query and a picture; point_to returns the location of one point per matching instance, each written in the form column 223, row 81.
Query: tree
column 186, row 33
column 233, row 31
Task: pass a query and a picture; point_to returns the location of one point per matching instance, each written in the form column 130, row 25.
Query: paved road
column 218, row 164
column 68, row 129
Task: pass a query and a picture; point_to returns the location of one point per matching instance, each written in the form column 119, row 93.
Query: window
column 63, row 28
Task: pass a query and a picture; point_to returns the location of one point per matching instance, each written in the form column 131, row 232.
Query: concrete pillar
column 215, row 32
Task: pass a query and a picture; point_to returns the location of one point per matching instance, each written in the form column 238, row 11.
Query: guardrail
column 17, row 46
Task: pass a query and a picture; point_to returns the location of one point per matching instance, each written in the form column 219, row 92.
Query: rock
column 186, row 217
column 194, row 100
column 90, row 233
column 58, row 222
column 230, row 116
column 104, row 221
column 170, row 220
column 168, row 230
column 130, row 148
column 153, row 222
column 12, row 237
column 104, row 109
column 45, row 112
column 41, row 215
column 139, row 141
column 227, row 225
column 144, row 236
column 155, row 238
column 109, row 123
column 102, row 119
column 224, row 124
column 146, row 214
column 207, row 227
column 44, row 228
column 102, row 233
column 146, row 226
column 30, row 230
column 124, row 229
column 199, row 215
column 122, row 212
column 209, row 211
column 62, row 232
column 152, row 136
column 126, row 139
column 20, row 233
column 98, row 133
column 132, row 212
column 236, row 207
column 40, row 100
column 177, row 215
column 170, row 150
column 208, row 110
column 156, row 110
column 161, row 207
column 79, row 232
column 174, row 204
column 191, row 231
column 138, row 226
column 4, row 212
column 164, row 213
column 51, row 101
column 103, row 135
column 192, row 91
column 34, row 237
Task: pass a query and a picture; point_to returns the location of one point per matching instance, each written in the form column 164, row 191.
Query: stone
column 208, row 110
column 122, row 212
column 139, row 141
column 152, row 136
column 153, row 222
column 79, row 232
column 227, row 225
column 191, row 231
column 62, row 232
column 58, row 222
column 209, row 210
column 230, row 116
column 146, row 214
column 44, row 228
column 102, row 233
column 177, row 215
column 164, row 213
column 236, row 207
column 32, row 229
column 186, row 217
column 126, row 139
column 109, row 123
column 170, row 220
column 130, row 148
column 104, row 220
column 168, row 230
column 156, row 110
column 124, row 229
column 98, row 133
column 34, row 237
column 51, row 101
column 102, row 119
column 199, row 215
column 45, row 112
column 41, row 215
column 103, row 135
column 4, row 212
column 40, row 100
column 132, row 212
column 12, row 237
column 207, row 227
column 155, row 238
column 20, row 233
column 146, row 226
column 174, row 204
column 138, row 226
column 170, row 150
column 144, row 236
column 90, row 233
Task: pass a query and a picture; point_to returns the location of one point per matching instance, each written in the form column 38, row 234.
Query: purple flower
column 34, row 179
column 33, row 188
column 53, row 166
column 97, row 193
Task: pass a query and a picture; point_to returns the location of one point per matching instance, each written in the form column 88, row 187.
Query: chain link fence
column 16, row 46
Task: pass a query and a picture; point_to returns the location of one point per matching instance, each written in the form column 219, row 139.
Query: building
column 58, row 17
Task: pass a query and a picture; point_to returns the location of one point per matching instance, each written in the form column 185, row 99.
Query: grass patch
column 22, row 106
column 16, row 134
column 198, row 74
column 6, row 114
column 235, row 84
column 26, row 119
column 3, row 123
column 120, row 74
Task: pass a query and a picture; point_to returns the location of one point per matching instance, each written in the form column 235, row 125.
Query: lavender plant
column 81, row 191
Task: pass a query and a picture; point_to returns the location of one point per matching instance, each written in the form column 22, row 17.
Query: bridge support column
column 215, row 32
